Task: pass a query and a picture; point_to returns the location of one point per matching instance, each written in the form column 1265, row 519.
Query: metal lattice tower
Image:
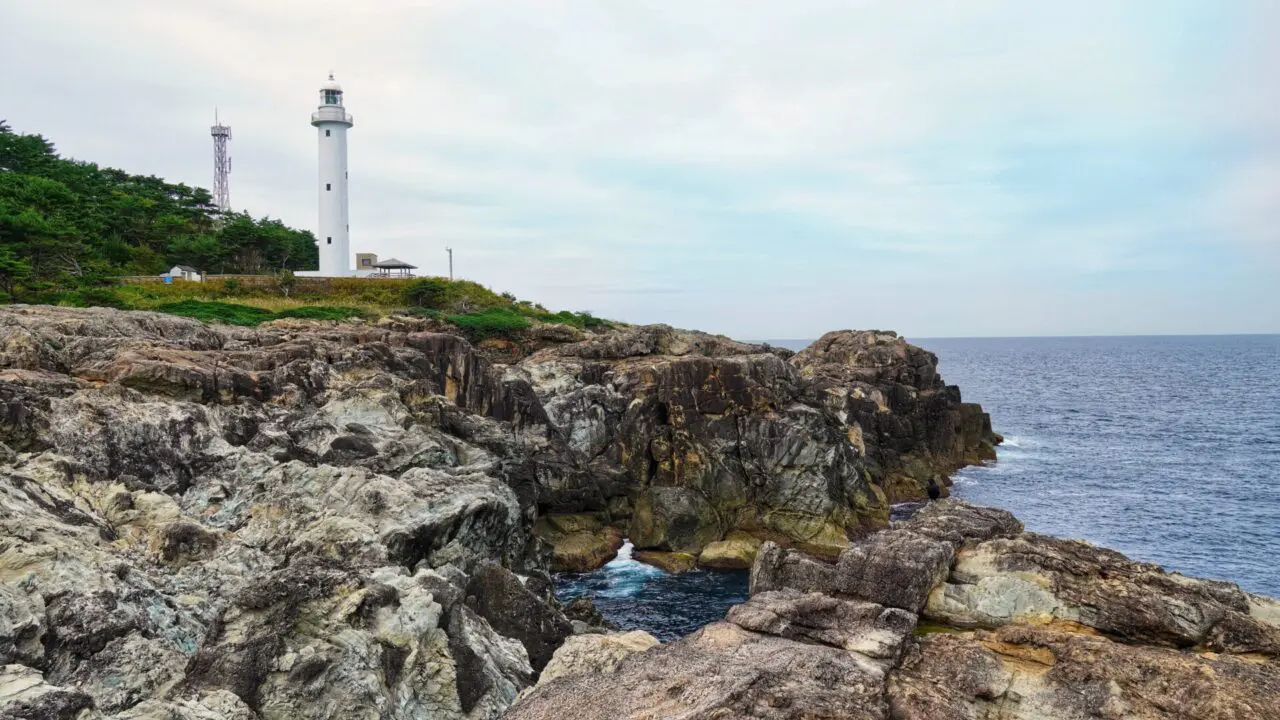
column 221, row 164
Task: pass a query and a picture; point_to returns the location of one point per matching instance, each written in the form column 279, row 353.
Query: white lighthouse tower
column 332, row 122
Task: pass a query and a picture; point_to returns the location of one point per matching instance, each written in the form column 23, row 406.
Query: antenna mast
column 221, row 164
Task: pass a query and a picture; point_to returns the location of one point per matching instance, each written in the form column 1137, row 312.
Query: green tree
column 70, row 220
column 13, row 269
column 286, row 281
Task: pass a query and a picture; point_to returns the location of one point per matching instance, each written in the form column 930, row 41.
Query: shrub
column 564, row 317
column 286, row 281
column 228, row 313
column 458, row 296
column 321, row 312
column 424, row 312
column 428, row 292
column 96, row 297
column 487, row 323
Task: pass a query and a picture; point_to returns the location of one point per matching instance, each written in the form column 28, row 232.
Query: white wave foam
column 626, row 576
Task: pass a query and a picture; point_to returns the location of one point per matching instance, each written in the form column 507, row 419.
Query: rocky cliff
column 956, row 613
column 688, row 439
column 318, row 520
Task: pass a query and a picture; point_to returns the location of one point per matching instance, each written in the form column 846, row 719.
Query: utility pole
column 450, row 251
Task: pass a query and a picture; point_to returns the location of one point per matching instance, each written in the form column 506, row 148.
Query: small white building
column 183, row 272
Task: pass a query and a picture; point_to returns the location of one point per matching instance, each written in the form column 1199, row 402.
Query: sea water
column 1164, row 448
column 636, row 596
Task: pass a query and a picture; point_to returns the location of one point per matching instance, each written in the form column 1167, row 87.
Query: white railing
column 331, row 115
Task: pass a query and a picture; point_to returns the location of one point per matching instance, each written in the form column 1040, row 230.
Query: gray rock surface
column 206, row 522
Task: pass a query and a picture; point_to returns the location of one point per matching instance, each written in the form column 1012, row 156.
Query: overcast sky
column 763, row 168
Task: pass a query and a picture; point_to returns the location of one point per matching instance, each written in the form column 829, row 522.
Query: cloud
column 760, row 168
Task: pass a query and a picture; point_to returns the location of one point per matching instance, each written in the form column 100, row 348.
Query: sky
column 757, row 168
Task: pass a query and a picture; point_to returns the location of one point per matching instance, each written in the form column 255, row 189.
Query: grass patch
column 477, row 311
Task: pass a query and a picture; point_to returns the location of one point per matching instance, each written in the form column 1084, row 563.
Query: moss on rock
column 735, row 552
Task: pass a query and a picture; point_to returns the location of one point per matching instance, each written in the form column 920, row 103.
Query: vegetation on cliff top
column 65, row 222
column 70, row 230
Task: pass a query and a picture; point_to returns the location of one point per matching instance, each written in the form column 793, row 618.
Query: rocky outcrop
column 984, row 621
column 690, row 437
column 287, row 522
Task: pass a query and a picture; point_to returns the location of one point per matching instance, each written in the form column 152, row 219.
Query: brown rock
column 1031, row 672
column 721, row 671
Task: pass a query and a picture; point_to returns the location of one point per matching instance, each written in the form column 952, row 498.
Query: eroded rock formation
column 983, row 621
column 688, row 438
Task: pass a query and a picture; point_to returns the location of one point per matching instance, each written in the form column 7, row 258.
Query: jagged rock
column 498, row 596
column 309, row 520
column 674, row 519
column 1034, row 578
column 595, row 654
column 491, row 669
column 962, row 524
column 24, row 695
column 898, row 567
column 22, row 627
column 220, row 705
column 221, row 522
column 911, row 425
column 128, row 670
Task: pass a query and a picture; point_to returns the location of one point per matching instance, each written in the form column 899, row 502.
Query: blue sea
column 1164, row 448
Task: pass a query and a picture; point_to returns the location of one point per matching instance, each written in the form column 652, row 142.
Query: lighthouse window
column 326, row 133
column 330, row 240
column 328, row 186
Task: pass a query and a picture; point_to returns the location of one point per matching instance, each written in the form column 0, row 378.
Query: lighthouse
column 332, row 122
